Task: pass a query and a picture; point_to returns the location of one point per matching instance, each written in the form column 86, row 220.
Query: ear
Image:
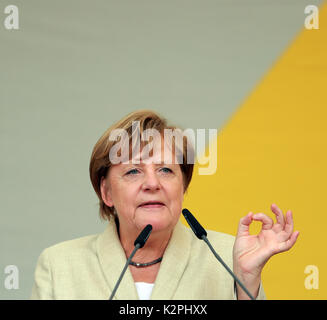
column 105, row 192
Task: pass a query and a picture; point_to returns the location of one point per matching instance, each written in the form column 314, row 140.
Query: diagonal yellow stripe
column 273, row 150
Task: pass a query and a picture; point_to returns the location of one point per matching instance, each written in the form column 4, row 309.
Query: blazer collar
column 112, row 260
column 173, row 264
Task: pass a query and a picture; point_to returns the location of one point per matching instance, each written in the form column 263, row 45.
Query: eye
column 132, row 172
column 166, row 170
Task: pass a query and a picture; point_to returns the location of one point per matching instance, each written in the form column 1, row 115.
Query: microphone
column 202, row 235
column 143, row 236
column 138, row 243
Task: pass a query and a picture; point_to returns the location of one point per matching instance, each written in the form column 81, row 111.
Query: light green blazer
column 88, row 268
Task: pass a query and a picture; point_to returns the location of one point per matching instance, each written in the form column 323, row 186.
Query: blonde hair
column 100, row 162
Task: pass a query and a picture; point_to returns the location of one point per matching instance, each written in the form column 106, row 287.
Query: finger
column 289, row 222
column 279, row 215
column 267, row 222
column 290, row 242
column 244, row 225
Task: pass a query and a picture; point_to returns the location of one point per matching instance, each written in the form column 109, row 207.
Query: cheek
column 177, row 193
column 127, row 195
column 123, row 196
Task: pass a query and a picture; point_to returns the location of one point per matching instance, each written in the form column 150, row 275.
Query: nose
column 151, row 181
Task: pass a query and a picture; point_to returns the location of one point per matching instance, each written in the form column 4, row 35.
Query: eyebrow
column 143, row 164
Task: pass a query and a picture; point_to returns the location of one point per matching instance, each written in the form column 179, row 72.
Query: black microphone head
column 143, row 236
column 194, row 224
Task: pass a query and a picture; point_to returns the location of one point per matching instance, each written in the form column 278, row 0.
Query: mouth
column 151, row 204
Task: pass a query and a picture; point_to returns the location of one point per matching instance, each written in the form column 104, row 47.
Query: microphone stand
column 205, row 239
column 138, row 243
column 200, row 233
column 124, row 270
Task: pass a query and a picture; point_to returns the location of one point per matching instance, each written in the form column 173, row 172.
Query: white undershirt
column 144, row 290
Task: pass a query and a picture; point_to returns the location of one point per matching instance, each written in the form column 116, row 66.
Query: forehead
column 157, row 151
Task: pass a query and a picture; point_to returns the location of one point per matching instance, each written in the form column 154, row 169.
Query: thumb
column 244, row 225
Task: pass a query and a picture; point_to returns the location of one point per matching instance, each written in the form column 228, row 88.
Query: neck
column 153, row 249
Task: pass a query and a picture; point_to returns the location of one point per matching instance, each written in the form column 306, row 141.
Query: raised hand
column 251, row 252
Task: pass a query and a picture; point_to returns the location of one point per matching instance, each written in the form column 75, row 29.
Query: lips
column 152, row 204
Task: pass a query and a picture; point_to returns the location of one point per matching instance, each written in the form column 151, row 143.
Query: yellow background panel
column 274, row 150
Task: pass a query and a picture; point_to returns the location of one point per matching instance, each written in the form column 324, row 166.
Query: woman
column 139, row 188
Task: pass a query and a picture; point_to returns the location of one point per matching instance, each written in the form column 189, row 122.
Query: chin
column 157, row 223
column 161, row 220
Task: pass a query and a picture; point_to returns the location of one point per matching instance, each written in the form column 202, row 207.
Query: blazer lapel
column 112, row 260
column 173, row 264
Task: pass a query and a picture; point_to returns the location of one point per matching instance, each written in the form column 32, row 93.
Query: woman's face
column 145, row 193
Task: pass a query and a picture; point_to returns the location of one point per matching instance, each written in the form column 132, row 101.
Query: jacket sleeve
column 261, row 294
column 42, row 287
